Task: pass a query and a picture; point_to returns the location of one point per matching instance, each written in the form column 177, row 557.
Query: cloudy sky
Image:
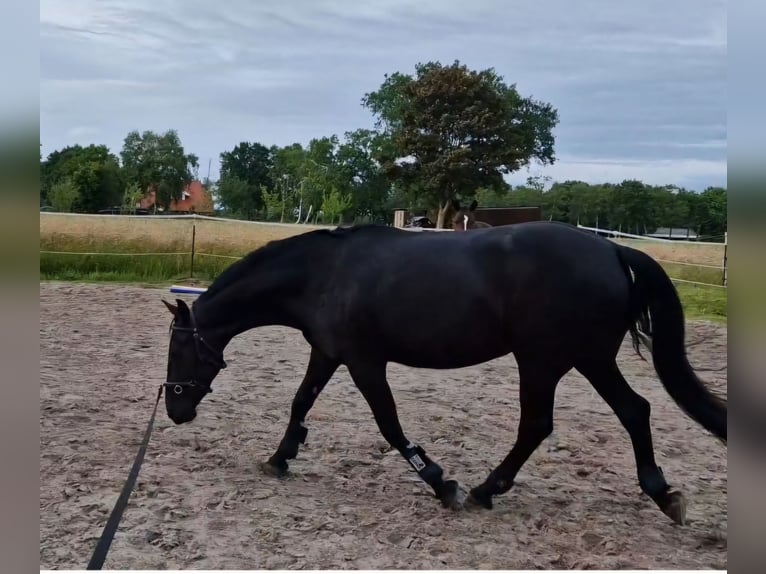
column 640, row 87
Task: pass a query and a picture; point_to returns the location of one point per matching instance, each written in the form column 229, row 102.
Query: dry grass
column 64, row 232
column 120, row 235
column 686, row 252
column 112, row 237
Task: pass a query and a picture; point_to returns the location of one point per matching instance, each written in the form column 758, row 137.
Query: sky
column 640, row 87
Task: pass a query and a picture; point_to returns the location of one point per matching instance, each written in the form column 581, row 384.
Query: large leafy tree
column 93, row 171
column 63, row 195
column 245, row 170
column 356, row 162
column 159, row 161
column 237, row 197
column 630, row 207
column 451, row 131
column 712, row 212
column 58, row 166
column 304, row 177
column 320, row 173
column 301, row 174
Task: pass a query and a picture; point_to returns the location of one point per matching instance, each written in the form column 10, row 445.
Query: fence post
column 194, row 240
column 725, row 277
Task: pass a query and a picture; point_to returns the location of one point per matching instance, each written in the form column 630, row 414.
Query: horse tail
column 657, row 318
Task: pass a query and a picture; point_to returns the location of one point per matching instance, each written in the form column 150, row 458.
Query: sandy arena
column 201, row 503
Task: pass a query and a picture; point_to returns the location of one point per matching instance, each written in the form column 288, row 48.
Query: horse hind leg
column 634, row 412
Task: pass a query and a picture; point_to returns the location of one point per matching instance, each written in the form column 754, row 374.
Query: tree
column 100, row 184
column 288, row 171
column 668, row 207
column 63, row 195
column 526, row 196
column 334, row 204
column 58, row 166
column 273, row 202
column 712, row 213
column 212, row 189
column 158, row 161
column 493, row 197
column 302, row 176
column 356, row 162
column 558, row 200
column 451, row 131
column 131, row 197
column 236, row 195
column 93, row 170
column 630, row 207
column 251, row 164
column 318, row 172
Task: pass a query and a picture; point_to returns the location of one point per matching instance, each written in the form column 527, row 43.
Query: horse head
column 193, row 363
column 465, row 219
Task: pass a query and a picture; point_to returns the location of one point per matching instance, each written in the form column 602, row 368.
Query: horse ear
column 473, row 206
column 183, row 309
column 172, row 308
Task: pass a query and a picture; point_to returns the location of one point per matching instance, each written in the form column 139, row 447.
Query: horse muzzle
column 180, row 418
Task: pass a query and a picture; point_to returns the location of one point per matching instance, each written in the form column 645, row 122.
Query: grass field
column 110, row 248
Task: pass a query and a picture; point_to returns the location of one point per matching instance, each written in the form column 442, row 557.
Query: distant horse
column 465, row 219
column 555, row 296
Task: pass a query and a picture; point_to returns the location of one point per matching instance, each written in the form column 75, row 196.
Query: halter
column 217, row 359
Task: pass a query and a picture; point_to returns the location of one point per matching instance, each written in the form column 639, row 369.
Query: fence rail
column 187, row 217
column 723, row 267
column 624, row 235
column 193, row 254
column 719, row 267
column 119, row 253
column 698, row 283
column 219, row 255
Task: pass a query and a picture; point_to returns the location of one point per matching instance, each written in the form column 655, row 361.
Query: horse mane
column 245, row 266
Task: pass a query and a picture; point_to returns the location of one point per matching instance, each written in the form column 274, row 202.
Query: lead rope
column 110, row 528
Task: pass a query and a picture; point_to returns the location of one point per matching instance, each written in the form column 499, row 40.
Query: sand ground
column 201, row 503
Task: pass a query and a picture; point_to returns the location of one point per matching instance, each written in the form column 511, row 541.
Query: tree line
column 445, row 132
column 630, row 206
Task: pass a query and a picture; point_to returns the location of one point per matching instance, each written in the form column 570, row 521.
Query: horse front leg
column 538, row 379
column 370, row 379
column 318, row 373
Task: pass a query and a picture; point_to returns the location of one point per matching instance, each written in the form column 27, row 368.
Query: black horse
column 553, row 295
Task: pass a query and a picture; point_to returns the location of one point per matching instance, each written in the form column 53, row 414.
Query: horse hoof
column 452, row 496
column 675, row 509
column 476, row 500
column 270, row 469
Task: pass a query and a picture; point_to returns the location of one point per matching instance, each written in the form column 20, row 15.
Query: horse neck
column 270, row 293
